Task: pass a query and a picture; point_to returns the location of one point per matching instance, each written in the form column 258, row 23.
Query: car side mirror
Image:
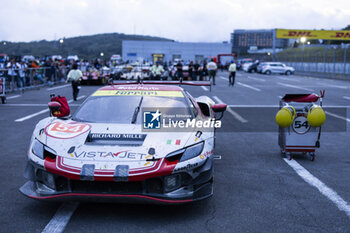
column 54, row 108
column 219, row 107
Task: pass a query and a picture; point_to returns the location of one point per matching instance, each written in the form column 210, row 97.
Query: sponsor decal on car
column 109, row 154
column 138, row 93
column 186, row 167
column 198, row 135
column 112, row 136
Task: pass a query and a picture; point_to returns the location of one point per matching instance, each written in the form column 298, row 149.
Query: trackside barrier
column 33, row 78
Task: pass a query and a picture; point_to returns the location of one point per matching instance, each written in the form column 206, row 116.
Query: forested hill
column 87, row 47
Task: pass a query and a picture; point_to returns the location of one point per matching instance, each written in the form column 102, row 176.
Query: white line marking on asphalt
column 248, row 86
column 61, row 218
column 218, row 100
column 322, row 188
column 257, row 79
column 204, row 88
column 234, row 114
column 280, row 97
column 223, row 78
column 292, row 86
column 346, row 97
column 337, row 86
column 12, row 97
column 54, row 88
column 42, row 111
column 218, row 157
column 337, row 116
column 31, row 115
column 289, row 79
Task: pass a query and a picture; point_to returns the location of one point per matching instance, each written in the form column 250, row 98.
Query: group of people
column 195, row 71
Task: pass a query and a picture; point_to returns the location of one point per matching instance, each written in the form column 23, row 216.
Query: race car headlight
column 192, row 151
column 38, row 149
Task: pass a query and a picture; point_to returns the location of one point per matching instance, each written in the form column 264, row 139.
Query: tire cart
column 300, row 119
column 2, row 90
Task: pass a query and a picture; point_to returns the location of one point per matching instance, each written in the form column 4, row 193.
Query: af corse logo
column 152, row 120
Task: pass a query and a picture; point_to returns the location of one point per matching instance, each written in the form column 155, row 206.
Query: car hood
column 111, row 142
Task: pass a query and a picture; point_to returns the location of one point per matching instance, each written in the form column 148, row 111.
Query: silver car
column 276, row 68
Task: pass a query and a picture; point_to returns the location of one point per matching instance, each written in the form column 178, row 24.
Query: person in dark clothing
column 179, row 74
column 190, row 70
column 204, row 72
column 195, row 70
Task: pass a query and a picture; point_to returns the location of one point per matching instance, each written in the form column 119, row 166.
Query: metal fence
column 324, row 61
column 29, row 78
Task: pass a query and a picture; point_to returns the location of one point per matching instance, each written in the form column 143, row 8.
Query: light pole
column 303, row 40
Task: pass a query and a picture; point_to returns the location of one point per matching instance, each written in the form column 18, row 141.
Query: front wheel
column 288, row 72
column 268, row 72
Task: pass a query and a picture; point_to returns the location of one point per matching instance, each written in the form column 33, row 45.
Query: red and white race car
column 94, row 76
column 122, row 144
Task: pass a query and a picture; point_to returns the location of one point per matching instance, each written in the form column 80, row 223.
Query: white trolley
column 300, row 137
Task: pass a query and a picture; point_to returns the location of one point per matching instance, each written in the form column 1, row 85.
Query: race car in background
column 103, row 152
column 94, row 76
column 137, row 73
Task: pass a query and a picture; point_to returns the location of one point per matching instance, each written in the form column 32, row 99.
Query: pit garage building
column 151, row 51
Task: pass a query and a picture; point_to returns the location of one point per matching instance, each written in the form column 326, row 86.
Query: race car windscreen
column 120, row 109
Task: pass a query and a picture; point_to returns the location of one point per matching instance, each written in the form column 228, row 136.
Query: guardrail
column 33, row 78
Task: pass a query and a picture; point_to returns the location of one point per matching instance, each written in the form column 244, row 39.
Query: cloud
column 182, row 20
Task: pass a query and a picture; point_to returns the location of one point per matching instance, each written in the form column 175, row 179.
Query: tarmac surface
column 255, row 188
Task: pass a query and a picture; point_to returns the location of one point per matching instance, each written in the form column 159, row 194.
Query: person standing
column 157, row 70
column 212, row 67
column 179, row 74
column 75, row 76
column 22, row 73
column 12, row 66
column 190, row 71
column 195, row 70
column 232, row 76
column 204, row 72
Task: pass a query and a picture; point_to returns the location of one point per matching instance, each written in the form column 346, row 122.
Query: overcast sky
column 182, row 20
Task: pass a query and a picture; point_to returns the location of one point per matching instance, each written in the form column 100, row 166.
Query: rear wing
column 179, row 82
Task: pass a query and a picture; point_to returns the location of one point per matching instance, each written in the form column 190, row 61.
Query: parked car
column 240, row 62
column 254, row 67
column 245, row 66
column 276, row 68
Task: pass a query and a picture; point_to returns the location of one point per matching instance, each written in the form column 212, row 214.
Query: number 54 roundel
column 64, row 130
